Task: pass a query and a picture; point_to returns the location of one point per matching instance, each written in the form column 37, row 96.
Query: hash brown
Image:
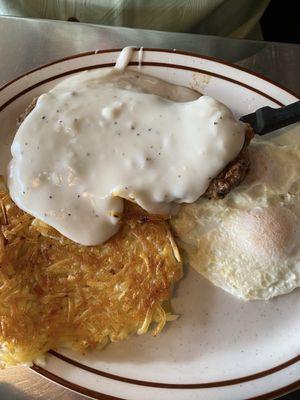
column 54, row 292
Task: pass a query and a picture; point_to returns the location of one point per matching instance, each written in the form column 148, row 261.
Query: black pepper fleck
column 159, row 154
column 50, row 197
column 123, row 154
column 133, row 128
column 88, row 154
column 43, row 117
column 78, row 196
column 215, row 123
column 23, row 192
column 137, row 134
column 60, row 121
column 26, row 143
column 149, row 129
column 69, row 214
column 148, row 159
column 179, row 176
column 116, row 122
column 57, row 111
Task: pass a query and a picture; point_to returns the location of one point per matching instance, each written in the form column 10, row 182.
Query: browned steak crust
column 233, row 174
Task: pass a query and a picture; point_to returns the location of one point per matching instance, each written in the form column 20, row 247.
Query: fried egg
column 248, row 242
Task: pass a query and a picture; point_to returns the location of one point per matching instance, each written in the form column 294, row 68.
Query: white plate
column 220, row 348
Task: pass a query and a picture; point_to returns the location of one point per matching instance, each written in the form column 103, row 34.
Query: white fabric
column 235, row 18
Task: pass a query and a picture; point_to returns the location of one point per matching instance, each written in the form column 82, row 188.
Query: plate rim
column 162, row 385
column 134, row 63
column 278, row 392
column 274, row 394
column 153, row 49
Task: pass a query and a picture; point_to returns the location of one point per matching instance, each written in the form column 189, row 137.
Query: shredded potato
column 54, row 292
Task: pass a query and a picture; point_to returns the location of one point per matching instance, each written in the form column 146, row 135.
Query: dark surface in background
column 280, row 22
column 292, row 396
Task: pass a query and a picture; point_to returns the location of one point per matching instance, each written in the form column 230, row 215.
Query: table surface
column 28, row 43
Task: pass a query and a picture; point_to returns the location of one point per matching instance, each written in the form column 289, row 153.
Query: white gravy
column 104, row 135
column 124, row 58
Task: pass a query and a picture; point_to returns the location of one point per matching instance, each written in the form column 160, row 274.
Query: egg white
column 248, row 242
